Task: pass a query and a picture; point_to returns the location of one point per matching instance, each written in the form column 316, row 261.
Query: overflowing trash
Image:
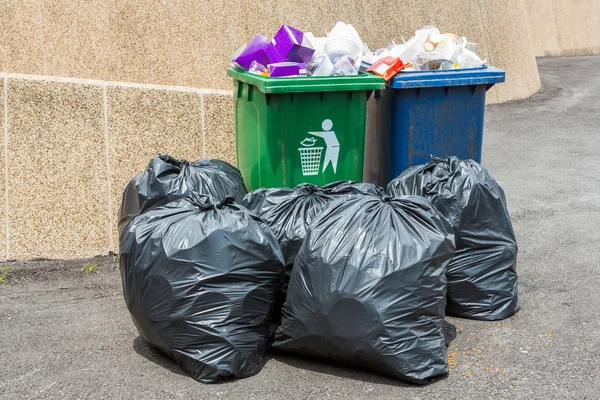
column 387, row 67
column 200, row 278
column 167, row 178
column 482, row 277
column 287, row 69
column 368, row 287
column 290, row 45
column 254, row 53
column 292, row 52
column 429, row 50
column 289, row 212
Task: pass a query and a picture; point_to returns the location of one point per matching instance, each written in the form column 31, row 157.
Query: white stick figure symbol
column 332, row 150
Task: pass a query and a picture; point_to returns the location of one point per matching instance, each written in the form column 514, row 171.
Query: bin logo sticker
column 310, row 155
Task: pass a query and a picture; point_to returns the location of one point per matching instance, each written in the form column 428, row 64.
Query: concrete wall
column 564, row 27
column 188, row 42
column 92, row 89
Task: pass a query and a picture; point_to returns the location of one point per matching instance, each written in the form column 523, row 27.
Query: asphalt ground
column 66, row 334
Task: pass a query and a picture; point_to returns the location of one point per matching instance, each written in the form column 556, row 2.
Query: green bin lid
column 304, row 84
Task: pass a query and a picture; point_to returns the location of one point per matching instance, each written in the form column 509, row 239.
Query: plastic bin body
column 437, row 113
column 300, row 129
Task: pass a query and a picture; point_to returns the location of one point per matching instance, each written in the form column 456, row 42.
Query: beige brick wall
column 71, row 145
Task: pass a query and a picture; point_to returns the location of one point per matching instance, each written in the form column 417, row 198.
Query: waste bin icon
column 310, row 157
column 332, row 150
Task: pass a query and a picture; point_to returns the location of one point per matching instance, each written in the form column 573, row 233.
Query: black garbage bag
column 167, row 179
column 482, row 277
column 199, row 279
column 369, row 287
column 289, row 211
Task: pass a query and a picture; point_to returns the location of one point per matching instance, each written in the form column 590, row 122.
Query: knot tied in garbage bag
column 482, row 277
column 199, row 278
column 307, row 188
column 167, row 179
column 368, row 287
column 204, row 202
column 180, row 162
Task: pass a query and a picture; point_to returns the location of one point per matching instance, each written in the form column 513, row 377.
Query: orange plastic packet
column 387, row 67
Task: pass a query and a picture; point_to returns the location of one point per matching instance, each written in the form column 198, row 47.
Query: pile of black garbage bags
column 346, row 271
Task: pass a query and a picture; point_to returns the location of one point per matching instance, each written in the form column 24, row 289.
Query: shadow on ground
column 314, row 364
column 340, row 370
column 150, row 353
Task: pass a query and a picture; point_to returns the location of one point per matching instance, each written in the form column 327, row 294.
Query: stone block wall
column 71, row 145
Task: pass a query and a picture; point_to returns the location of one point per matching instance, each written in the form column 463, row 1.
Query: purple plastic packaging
column 289, row 44
column 287, row 68
column 254, row 51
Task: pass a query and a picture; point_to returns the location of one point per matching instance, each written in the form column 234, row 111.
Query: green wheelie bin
column 300, row 129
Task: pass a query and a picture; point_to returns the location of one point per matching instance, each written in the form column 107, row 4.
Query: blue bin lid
column 455, row 77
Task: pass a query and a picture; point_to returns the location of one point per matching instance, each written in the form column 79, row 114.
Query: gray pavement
column 65, row 334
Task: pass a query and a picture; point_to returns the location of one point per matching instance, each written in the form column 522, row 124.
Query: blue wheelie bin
column 423, row 113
